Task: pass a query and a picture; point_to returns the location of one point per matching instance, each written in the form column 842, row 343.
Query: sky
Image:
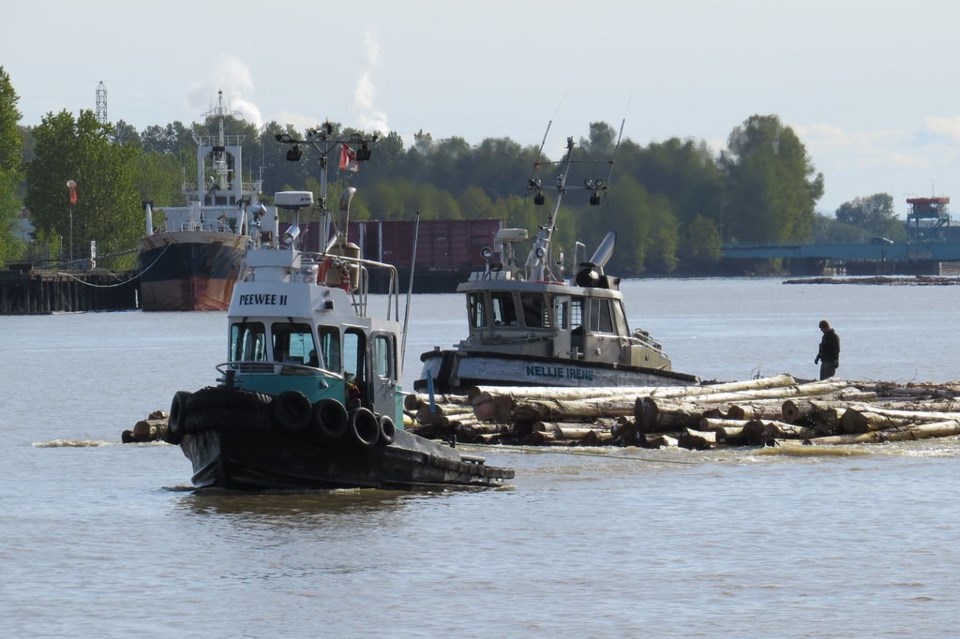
column 869, row 87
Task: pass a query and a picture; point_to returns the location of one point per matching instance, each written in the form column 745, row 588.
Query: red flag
column 348, row 159
column 72, row 187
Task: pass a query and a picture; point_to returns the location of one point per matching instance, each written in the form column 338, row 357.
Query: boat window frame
column 331, row 354
column 384, row 353
column 241, row 348
column 536, row 310
column 503, row 309
column 600, row 318
column 620, row 323
column 577, row 317
column 354, row 349
column 477, row 310
column 281, row 342
column 561, row 309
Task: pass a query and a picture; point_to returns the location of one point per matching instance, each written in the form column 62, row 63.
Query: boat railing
column 644, row 338
column 360, row 290
column 256, row 367
column 219, row 226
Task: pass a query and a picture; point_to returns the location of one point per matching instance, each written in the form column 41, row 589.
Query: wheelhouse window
column 293, row 343
column 504, row 310
column 354, row 354
column 535, row 311
column 621, row 327
column 383, row 357
column 601, row 321
column 248, row 342
column 562, row 309
column 330, row 347
column 576, row 313
column 477, row 309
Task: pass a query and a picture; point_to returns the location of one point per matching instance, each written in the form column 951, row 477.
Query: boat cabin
column 555, row 320
column 310, row 338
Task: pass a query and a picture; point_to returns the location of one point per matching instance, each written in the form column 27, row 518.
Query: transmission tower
column 101, row 103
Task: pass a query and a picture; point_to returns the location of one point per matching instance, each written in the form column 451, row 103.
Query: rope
column 126, row 281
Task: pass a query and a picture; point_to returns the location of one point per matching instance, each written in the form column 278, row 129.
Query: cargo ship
column 195, row 254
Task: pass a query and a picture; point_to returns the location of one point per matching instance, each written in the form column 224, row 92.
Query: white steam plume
column 233, row 78
column 368, row 118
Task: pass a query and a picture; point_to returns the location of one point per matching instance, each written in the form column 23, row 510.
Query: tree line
column 673, row 204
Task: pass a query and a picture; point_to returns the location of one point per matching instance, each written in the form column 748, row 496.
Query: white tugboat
column 529, row 325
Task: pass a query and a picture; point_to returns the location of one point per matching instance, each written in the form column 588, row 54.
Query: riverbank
column 888, row 280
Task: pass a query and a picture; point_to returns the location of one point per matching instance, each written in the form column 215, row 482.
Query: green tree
column 701, row 246
column 158, row 179
column 772, row 186
column 684, row 171
column 108, row 207
column 475, row 204
column 828, row 230
column 11, row 147
column 874, row 214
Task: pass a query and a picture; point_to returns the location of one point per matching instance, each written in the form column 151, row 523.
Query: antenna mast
column 102, row 103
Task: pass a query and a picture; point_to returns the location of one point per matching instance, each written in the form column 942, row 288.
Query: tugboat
column 192, row 260
column 529, row 325
column 310, row 396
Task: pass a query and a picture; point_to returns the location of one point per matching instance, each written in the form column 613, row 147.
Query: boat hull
column 190, row 270
column 456, row 370
column 245, row 459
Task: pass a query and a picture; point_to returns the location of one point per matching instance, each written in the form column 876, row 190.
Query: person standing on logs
column 829, row 354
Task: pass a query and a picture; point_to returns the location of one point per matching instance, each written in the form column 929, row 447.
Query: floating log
column 697, row 439
column 152, row 429
column 561, row 410
column 662, row 440
column 863, row 421
column 754, row 412
column 597, row 438
column 928, row 430
column 567, row 431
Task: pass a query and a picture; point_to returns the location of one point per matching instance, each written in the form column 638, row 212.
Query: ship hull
column 244, row 459
column 457, row 370
column 190, row 270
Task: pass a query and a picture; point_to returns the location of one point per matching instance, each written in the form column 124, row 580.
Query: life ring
column 388, row 430
column 322, row 272
column 364, row 426
column 291, row 411
column 176, row 423
column 329, row 419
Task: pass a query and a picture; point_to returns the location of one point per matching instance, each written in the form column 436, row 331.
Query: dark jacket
column 830, row 346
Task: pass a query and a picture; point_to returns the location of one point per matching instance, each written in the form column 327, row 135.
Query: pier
column 29, row 291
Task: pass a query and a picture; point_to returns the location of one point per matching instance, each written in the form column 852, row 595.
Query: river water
column 102, row 539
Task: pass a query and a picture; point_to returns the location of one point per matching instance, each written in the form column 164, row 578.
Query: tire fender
column 330, row 419
column 364, row 426
column 291, row 411
column 176, row 423
column 388, row 430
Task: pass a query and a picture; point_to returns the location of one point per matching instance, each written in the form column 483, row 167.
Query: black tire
column 223, row 397
column 388, row 430
column 218, row 408
column 330, row 419
column 177, row 422
column 364, row 426
column 291, row 411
